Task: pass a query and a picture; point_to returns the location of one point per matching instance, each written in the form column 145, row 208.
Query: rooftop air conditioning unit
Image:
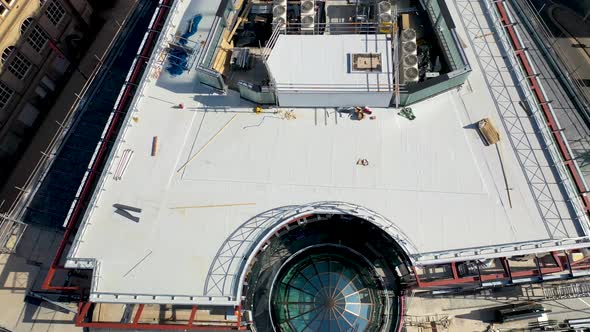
column 409, row 35
column 307, row 7
column 409, row 48
column 411, row 74
column 410, row 60
column 307, row 22
column 385, row 18
column 279, row 12
column 279, row 21
column 384, row 7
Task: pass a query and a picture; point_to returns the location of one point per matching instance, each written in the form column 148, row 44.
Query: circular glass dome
column 324, row 292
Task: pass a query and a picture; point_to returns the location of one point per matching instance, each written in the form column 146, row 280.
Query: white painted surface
column 432, row 177
column 315, row 70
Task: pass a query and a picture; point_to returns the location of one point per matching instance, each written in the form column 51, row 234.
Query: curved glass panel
column 324, row 293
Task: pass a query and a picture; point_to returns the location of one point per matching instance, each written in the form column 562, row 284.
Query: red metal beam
column 138, row 314
column 580, row 261
column 162, row 327
column 238, row 316
column 191, row 319
column 506, row 267
column 454, row 270
column 557, row 259
column 581, row 267
column 84, row 308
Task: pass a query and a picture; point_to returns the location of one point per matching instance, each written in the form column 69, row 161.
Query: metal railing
column 160, row 47
column 11, row 231
column 30, row 186
column 549, row 137
column 333, row 28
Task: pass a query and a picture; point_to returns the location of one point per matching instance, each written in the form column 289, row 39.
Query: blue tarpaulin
column 178, row 58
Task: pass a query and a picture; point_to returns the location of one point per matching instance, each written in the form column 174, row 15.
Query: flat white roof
column 323, row 62
column 218, row 165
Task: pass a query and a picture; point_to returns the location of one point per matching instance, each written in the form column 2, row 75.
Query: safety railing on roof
column 132, row 109
column 513, row 249
column 272, row 40
column 229, row 268
column 556, row 150
column 32, row 183
column 11, row 232
column 210, row 48
column 332, row 28
column 448, row 41
column 208, row 51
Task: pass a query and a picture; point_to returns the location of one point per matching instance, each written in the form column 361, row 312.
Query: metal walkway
column 527, row 132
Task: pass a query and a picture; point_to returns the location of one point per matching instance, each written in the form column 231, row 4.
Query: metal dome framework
column 228, row 270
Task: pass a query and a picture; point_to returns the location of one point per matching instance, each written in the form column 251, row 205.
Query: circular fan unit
column 307, row 21
column 410, row 60
column 385, row 18
column 307, row 6
column 411, row 74
column 409, row 47
column 384, row 6
column 278, row 10
column 408, row 35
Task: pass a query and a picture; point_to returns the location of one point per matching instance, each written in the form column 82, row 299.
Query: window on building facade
column 10, row 2
column 3, row 10
column 19, row 66
column 5, row 95
column 37, row 38
column 6, row 53
column 55, row 12
column 25, row 26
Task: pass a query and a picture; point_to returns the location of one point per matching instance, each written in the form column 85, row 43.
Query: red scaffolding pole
column 83, row 320
column 508, row 274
